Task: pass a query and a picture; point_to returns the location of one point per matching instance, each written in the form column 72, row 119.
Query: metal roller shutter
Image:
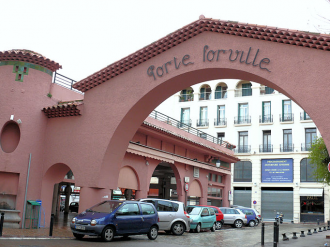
column 273, row 201
column 242, row 198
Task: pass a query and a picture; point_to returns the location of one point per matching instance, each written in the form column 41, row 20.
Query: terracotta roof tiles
column 253, row 31
column 63, row 109
column 30, row 57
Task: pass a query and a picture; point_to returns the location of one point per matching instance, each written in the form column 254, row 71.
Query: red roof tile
column 63, row 109
column 273, row 34
column 30, row 57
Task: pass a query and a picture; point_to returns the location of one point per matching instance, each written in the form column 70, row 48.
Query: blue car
column 201, row 218
column 252, row 219
column 116, row 218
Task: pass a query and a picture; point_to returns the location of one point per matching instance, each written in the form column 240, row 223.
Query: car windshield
column 195, row 211
column 105, row 207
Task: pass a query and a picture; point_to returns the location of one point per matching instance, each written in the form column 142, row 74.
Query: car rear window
column 147, row 209
column 164, row 206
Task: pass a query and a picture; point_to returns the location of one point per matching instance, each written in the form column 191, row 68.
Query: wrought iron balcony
column 205, row 96
column 220, row 94
column 242, row 120
column 287, row 148
column 186, row 97
column 304, row 116
column 286, row 117
column 220, row 121
column 266, row 119
column 202, row 123
column 185, row 123
column 243, row 149
column 265, row 148
column 243, row 92
column 306, row 147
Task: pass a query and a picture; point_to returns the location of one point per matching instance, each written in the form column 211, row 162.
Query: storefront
column 311, row 205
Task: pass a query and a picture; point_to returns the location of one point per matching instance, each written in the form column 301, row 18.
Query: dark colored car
column 252, row 219
column 116, row 218
column 74, row 206
column 219, row 215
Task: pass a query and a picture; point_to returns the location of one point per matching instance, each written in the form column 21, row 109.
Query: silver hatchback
column 233, row 216
column 172, row 215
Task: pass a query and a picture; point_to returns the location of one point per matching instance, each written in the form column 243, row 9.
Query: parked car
column 251, row 216
column 74, row 206
column 111, row 218
column 254, row 210
column 234, row 217
column 201, row 218
column 218, row 214
column 172, row 215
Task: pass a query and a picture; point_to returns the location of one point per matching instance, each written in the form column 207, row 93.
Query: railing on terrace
column 220, row 121
column 220, row 94
column 64, row 82
column 287, row 117
column 265, row 148
column 243, row 149
column 266, row 119
column 205, row 96
column 304, row 116
column 242, row 120
column 266, row 90
column 171, row 121
column 243, row 92
column 287, row 148
column 202, row 123
column 306, row 147
column 186, row 97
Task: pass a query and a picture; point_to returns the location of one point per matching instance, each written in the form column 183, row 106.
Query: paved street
column 226, row 237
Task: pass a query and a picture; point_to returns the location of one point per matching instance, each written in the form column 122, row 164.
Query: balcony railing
column 185, row 127
column 186, row 97
column 304, row 116
column 184, row 123
column 287, row 148
column 286, row 117
column 202, row 123
column 243, row 92
column 220, row 122
column 205, row 96
column 65, row 82
column 242, row 120
column 220, row 94
column 243, row 149
column 266, row 119
column 265, row 148
column 306, row 147
column 266, row 90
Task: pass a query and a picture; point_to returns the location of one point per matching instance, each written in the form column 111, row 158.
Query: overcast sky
column 86, row 36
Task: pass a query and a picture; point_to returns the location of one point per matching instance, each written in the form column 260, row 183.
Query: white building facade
column 273, row 136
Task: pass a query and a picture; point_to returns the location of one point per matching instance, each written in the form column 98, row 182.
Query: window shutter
column 196, row 172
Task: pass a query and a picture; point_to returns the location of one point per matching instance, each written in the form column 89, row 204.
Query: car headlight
column 74, row 220
column 93, row 222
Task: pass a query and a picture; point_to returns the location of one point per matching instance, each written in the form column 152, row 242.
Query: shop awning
column 310, row 192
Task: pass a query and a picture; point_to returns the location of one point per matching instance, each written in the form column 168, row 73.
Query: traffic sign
column 329, row 167
column 254, row 202
column 186, row 187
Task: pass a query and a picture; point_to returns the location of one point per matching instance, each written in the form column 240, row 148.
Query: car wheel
column 178, row 228
column 78, row 236
column 198, row 228
column 153, row 233
column 252, row 223
column 218, row 225
column 108, row 233
column 238, row 223
column 257, row 222
column 213, row 228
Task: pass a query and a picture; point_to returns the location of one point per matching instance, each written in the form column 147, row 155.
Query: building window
column 214, row 192
column 246, row 89
column 186, row 95
column 267, row 144
column 220, row 92
column 221, row 137
column 287, row 141
column 304, row 116
column 205, row 93
column 185, row 116
column 310, row 136
column 307, row 171
column 203, row 120
column 243, row 114
column 243, row 146
column 266, row 112
column 221, row 116
column 243, row 171
column 286, row 111
column 269, row 90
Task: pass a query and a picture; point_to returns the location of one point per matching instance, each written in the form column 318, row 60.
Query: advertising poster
column 277, row 171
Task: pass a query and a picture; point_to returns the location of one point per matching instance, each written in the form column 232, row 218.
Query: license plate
column 80, row 227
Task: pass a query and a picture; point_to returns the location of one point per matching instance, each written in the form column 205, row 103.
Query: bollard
column 262, row 234
column 318, row 221
column 275, row 233
column 315, row 230
column 294, row 235
column 324, row 228
column 309, row 232
column 328, row 227
column 51, row 225
column 1, row 223
column 278, row 233
column 320, row 230
column 302, row 234
column 285, row 238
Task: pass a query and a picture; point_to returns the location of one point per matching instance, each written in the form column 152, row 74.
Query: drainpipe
column 26, row 189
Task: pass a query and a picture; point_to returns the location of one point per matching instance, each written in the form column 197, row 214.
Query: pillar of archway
column 90, row 196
